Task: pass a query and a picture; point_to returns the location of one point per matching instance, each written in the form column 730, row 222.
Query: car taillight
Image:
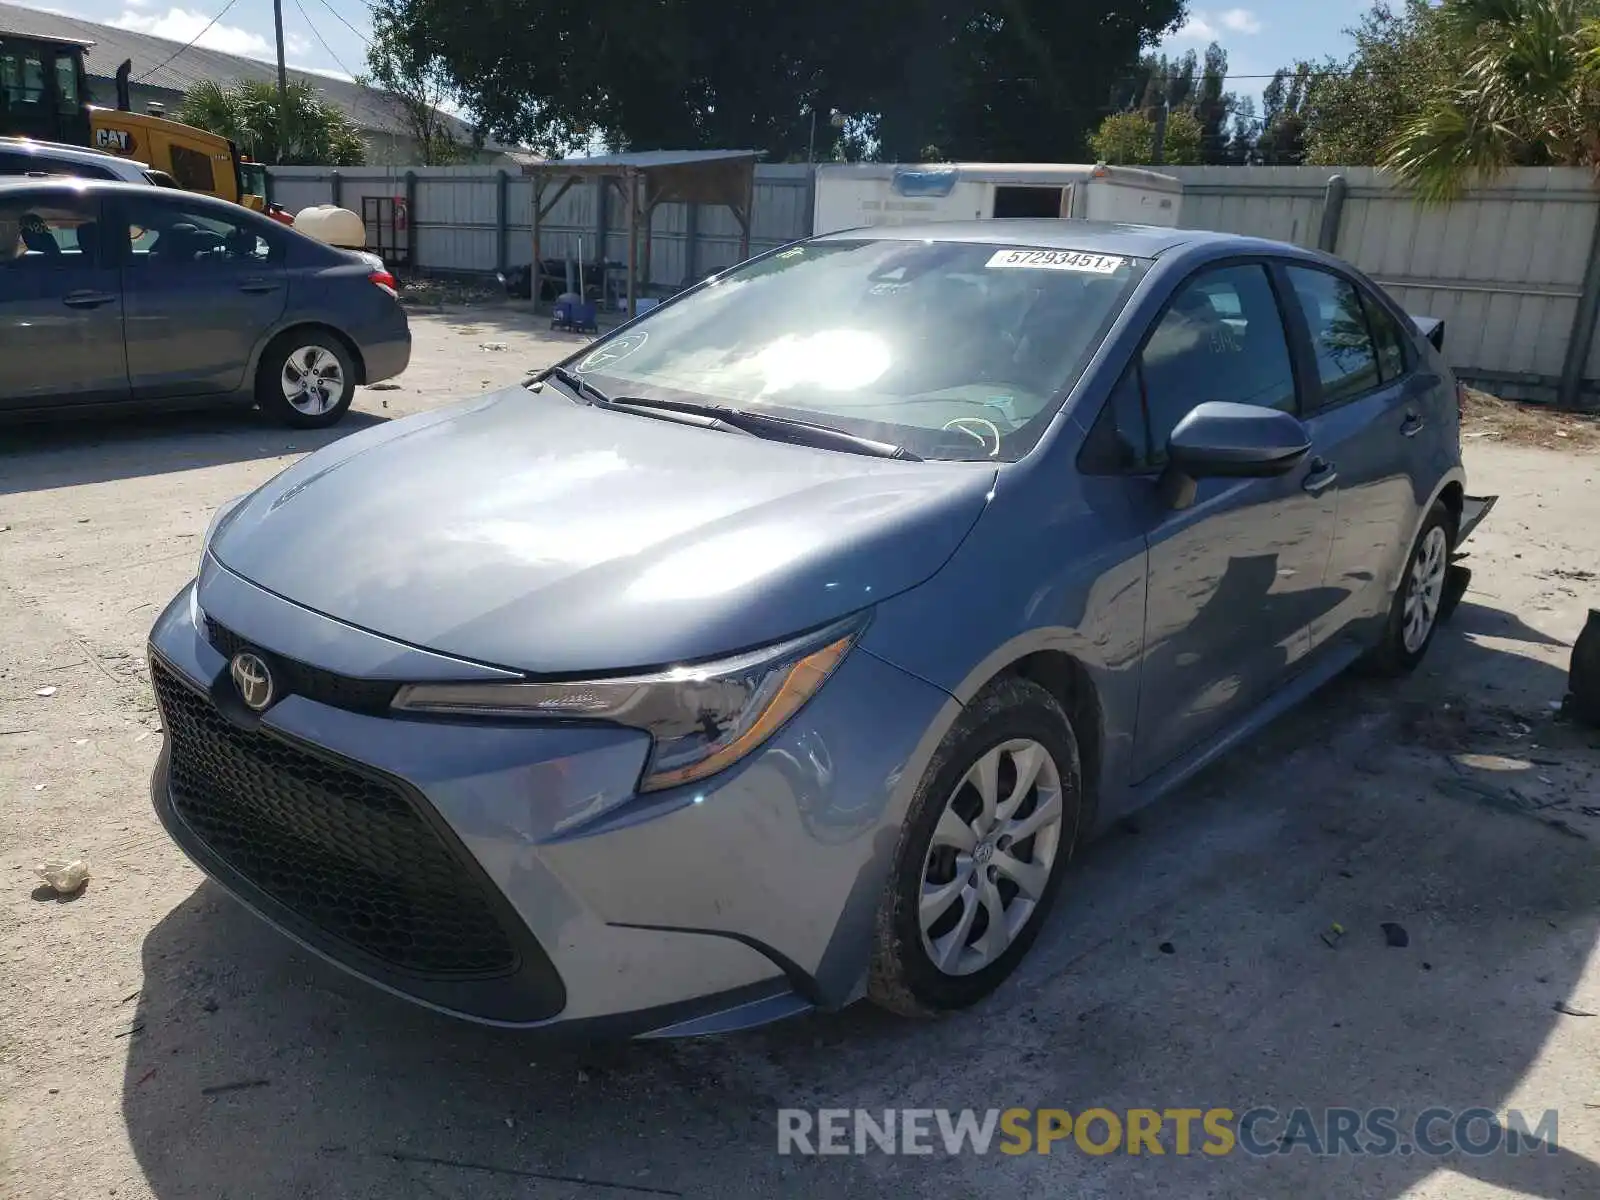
column 386, row 281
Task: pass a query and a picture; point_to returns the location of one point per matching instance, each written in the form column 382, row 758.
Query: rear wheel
column 982, row 854
column 306, row 379
column 1419, row 600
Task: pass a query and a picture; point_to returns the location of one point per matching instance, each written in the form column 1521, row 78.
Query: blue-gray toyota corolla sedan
column 783, row 647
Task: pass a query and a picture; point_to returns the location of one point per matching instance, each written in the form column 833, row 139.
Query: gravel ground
column 158, row 1041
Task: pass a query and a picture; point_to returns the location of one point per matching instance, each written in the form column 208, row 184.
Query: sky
column 329, row 35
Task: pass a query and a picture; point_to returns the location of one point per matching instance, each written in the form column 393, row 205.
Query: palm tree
column 1529, row 95
column 316, row 133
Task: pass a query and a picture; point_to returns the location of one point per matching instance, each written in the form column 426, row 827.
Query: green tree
column 998, row 79
column 1528, row 95
column 1184, row 142
column 418, row 87
column 1186, row 84
column 1123, row 139
column 1283, row 119
column 316, row 133
column 1129, row 139
column 1403, row 60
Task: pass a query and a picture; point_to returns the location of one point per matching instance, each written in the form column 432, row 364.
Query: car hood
column 526, row 531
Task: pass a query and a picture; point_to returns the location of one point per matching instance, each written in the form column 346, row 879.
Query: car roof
column 81, row 155
column 13, row 183
column 1095, row 237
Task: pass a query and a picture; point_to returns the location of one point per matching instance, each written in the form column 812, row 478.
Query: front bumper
column 540, row 889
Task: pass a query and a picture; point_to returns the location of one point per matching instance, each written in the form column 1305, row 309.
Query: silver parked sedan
column 783, row 647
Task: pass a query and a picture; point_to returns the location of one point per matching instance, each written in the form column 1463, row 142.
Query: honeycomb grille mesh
column 345, row 852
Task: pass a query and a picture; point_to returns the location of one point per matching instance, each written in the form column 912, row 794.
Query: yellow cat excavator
column 44, row 93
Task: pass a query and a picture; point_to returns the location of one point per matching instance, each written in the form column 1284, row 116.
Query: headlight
column 703, row 718
column 218, row 519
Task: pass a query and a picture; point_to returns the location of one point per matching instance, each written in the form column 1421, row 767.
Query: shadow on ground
column 86, row 449
column 260, row 1071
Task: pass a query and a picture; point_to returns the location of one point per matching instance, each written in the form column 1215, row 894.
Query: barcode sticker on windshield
column 1056, row 260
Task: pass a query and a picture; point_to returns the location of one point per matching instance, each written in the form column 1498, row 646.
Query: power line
column 189, row 43
column 340, row 17
column 322, row 41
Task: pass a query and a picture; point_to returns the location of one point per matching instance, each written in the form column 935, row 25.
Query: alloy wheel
column 990, row 859
column 1424, row 589
column 313, row 381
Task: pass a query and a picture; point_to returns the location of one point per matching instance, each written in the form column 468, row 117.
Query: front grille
column 348, row 853
column 300, row 679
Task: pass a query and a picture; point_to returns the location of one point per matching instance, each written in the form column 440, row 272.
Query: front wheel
column 982, row 853
column 306, row 379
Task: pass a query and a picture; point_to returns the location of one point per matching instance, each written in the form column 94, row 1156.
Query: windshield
column 954, row 350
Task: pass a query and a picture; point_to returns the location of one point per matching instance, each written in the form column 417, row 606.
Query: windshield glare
column 954, row 350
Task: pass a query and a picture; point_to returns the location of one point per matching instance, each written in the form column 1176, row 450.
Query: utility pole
column 283, row 80
column 1159, row 149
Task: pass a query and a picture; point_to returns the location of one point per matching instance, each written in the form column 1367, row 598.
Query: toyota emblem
column 253, row 679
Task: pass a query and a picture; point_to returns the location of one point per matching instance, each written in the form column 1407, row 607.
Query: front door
column 1235, row 580
column 201, row 289
column 60, row 303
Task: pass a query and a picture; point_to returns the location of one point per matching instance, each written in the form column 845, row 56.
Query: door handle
column 1412, row 425
column 87, row 299
column 258, row 286
column 1321, row 478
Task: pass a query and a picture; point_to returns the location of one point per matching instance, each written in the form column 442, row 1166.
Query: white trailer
column 851, row 195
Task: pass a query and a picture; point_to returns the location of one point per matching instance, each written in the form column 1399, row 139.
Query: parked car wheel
column 1414, row 616
column 982, row 853
column 306, row 379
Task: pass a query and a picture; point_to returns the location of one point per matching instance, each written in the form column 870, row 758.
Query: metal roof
column 639, row 160
column 1094, row 237
column 369, row 109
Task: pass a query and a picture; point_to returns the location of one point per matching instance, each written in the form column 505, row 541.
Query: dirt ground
column 158, row 1041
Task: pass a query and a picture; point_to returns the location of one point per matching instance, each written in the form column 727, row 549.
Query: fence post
column 602, row 206
column 411, row 220
column 500, row 219
column 1332, row 211
column 338, row 188
column 1581, row 340
column 691, row 243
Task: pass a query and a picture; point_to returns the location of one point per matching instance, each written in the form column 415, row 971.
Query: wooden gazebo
column 645, row 179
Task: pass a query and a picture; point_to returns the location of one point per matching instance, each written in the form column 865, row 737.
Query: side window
column 1347, row 361
column 1221, row 339
column 1386, row 335
column 163, row 235
column 192, row 169
column 67, row 100
column 22, row 75
column 45, row 233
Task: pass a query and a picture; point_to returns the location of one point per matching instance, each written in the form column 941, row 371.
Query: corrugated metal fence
column 479, row 219
column 1505, row 266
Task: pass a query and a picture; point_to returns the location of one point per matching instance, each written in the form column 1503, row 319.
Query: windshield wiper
column 577, row 385
column 784, row 429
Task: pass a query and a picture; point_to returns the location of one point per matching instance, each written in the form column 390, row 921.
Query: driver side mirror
column 1222, row 440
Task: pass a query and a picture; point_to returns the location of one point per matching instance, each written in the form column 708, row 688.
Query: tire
column 286, row 360
column 1415, row 614
column 918, row 971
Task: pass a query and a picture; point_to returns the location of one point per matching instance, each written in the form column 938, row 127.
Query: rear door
column 60, row 302
column 202, row 284
column 1364, row 409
